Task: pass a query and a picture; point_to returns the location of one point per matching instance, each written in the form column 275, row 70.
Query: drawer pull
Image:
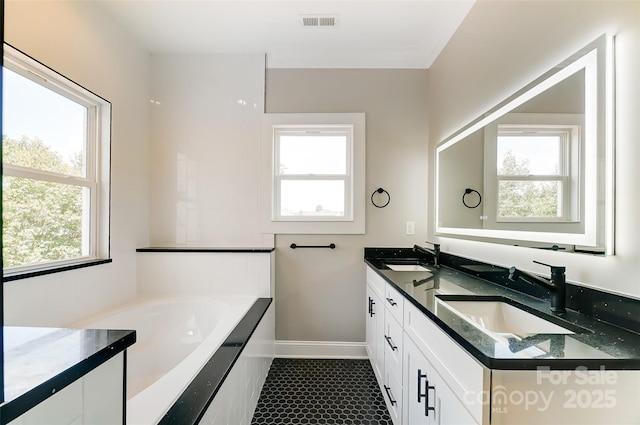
column 426, row 393
column 390, row 342
column 391, row 301
column 388, row 390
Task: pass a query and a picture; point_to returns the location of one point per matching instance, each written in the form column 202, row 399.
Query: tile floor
column 310, row 391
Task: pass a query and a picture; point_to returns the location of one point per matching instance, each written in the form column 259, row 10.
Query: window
column 534, row 172
column 55, row 189
column 313, row 173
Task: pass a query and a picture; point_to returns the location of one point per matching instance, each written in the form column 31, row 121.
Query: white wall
column 78, row 40
column 205, row 150
column 502, row 46
column 320, row 292
column 195, row 274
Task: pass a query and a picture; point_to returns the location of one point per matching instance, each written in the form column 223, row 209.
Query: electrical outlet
column 410, row 228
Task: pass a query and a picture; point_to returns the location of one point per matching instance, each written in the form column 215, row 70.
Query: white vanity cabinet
column 393, row 352
column 456, row 379
column 414, row 346
column 385, row 340
column 427, row 397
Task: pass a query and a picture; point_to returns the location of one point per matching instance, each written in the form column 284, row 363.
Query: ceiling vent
column 319, row 21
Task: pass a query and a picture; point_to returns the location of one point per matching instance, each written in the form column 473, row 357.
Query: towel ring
column 380, row 190
column 468, row 191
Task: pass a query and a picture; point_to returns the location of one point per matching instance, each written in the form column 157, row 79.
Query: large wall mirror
column 537, row 170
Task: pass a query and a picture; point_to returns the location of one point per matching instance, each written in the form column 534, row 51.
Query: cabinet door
column 449, row 410
column 419, row 395
column 370, row 322
column 375, row 332
column 428, row 399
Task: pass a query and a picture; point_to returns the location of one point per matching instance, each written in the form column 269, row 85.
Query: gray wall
column 461, row 167
column 320, row 293
column 502, row 46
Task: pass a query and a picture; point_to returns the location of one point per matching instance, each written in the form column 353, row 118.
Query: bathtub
column 175, row 337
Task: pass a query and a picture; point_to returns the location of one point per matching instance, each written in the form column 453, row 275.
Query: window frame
column 269, row 225
column 575, row 157
column 347, row 177
column 569, row 136
column 97, row 175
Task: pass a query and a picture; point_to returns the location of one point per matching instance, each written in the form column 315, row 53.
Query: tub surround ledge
column 205, row 249
column 192, row 405
column 39, row 362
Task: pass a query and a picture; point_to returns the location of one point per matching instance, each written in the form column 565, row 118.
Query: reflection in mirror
column 541, row 163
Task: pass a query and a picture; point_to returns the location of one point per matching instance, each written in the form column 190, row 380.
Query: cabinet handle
column 426, row 393
column 388, row 390
column 369, row 309
column 393, row 347
column 391, row 301
column 371, row 304
column 420, row 395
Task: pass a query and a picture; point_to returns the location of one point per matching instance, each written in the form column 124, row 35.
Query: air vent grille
column 319, row 21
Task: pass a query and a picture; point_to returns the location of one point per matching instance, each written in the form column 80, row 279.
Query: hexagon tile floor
column 310, row 391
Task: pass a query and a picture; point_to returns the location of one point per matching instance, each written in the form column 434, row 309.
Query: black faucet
column 556, row 344
column 433, row 278
column 435, row 252
column 557, row 284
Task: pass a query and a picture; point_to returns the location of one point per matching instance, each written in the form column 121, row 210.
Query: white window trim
column 98, row 149
column 568, row 175
column 575, row 151
column 347, row 177
column 269, row 222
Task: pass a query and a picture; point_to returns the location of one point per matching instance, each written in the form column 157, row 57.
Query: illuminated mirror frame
column 597, row 61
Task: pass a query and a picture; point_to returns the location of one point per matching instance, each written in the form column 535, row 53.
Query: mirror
column 537, row 170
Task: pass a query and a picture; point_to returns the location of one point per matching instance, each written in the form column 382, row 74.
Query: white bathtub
column 175, row 338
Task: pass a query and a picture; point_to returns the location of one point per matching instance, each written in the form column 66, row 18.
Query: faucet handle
column 549, row 265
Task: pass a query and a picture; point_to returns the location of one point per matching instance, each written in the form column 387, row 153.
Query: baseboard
column 321, row 349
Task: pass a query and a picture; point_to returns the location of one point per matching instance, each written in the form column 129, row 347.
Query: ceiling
column 368, row 34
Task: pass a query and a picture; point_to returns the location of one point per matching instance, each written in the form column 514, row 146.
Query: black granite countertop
column 594, row 344
column 39, row 362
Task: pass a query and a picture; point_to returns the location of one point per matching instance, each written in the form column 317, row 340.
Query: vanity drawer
column 393, row 343
column 394, row 302
column 376, row 281
column 392, row 393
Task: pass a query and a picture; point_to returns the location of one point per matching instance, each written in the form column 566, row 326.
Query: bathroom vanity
column 450, row 348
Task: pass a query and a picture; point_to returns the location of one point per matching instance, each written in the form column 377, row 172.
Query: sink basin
column 407, row 268
column 502, row 317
